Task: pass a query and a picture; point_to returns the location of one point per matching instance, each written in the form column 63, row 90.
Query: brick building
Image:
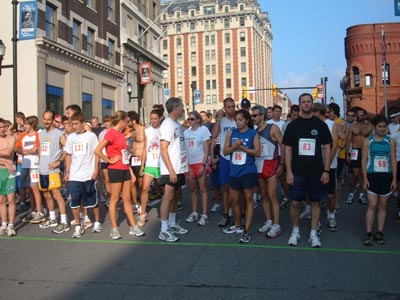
column 363, row 84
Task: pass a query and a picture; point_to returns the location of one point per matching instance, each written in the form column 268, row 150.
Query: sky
column 308, row 39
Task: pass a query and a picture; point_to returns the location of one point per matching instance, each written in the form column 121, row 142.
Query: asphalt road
column 204, row 264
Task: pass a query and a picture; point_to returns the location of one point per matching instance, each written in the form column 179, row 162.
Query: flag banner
column 383, row 47
column 145, row 73
column 28, row 20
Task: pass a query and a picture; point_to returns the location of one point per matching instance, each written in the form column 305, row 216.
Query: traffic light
column 274, row 90
column 244, row 93
column 315, row 93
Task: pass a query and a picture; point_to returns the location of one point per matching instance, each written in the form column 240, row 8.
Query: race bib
column 191, row 142
column 45, row 148
column 218, row 140
column 79, row 148
column 34, row 176
column 381, row 164
column 136, row 161
column 307, row 147
column 354, row 154
column 264, row 148
column 125, row 156
column 239, row 157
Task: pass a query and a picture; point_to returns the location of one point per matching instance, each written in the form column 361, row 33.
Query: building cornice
column 45, row 43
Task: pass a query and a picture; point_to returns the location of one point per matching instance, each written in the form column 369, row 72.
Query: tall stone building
column 216, row 49
column 363, row 84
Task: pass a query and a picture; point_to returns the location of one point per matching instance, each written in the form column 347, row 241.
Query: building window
column 192, row 41
column 209, row 10
column 207, row 40
column 368, row 80
column 165, row 58
column 212, row 25
column 91, row 4
column 179, row 86
column 227, row 38
column 214, row 84
column 193, row 56
column 208, row 99
column 142, row 36
column 241, row 7
column 242, row 21
column 242, row 51
column 228, row 83
column 206, row 25
column 226, row 9
column 213, row 39
column 192, row 26
column 214, row 99
column 76, row 35
column 111, row 10
column 228, row 69
column 90, row 42
column 178, row 27
column 54, row 99
column 178, row 42
column 179, row 72
column 244, row 81
column 165, row 44
column 207, row 69
column 386, row 74
column 227, row 52
column 107, row 107
column 194, row 71
column 226, row 23
column 213, row 69
column 179, row 57
column 243, row 67
column 208, row 85
column 111, row 52
column 207, row 55
column 356, row 76
column 51, row 28
column 178, row 14
column 242, row 36
column 87, row 107
column 192, row 12
column 213, row 54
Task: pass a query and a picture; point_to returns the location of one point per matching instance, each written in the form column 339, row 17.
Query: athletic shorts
column 215, row 182
column 103, row 165
column 269, row 168
column 7, row 182
column 310, row 186
column 164, row 180
column 356, row 163
column 135, row 168
column 49, row 182
column 331, row 186
column 224, row 169
column 29, row 177
column 152, row 171
column 247, row 181
column 85, row 191
column 116, row 176
column 341, row 162
column 195, row 170
column 379, row 183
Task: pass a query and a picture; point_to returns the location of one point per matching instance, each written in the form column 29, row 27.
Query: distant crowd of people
column 246, row 155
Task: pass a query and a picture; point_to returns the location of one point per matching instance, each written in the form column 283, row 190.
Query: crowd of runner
column 248, row 155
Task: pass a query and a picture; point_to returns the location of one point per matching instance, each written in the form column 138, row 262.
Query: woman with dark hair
column 243, row 145
column 119, row 172
column 379, row 170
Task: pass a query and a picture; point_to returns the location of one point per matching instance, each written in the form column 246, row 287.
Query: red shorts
column 194, row 170
column 269, row 168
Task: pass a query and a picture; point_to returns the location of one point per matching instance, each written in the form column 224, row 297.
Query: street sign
column 251, row 90
column 197, row 97
column 167, row 93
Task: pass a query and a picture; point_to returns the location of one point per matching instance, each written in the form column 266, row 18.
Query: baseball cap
column 57, row 119
column 245, row 103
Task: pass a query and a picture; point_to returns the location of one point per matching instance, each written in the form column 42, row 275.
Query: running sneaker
column 265, row 228
column 284, row 203
column 274, row 232
column 21, row 206
column 11, row 230
column 78, row 232
column 203, row 220
column 332, row 225
column 362, row 199
column 194, row 216
column 337, row 209
column 115, row 235
column 246, row 237
column 97, row 228
column 178, row 229
column 142, row 220
column 306, row 213
column 350, row 198
column 154, row 197
column 294, row 238
column 379, row 238
column 233, row 229
column 29, row 217
column 62, row 227
column 225, row 221
column 48, row 223
column 369, row 239
column 136, row 231
column 179, row 207
column 216, row 208
column 3, row 230
column 314, row 241
column 87, row 224
column 38, row 218
column 168, row 236
column 137, row 209
column 319, row 228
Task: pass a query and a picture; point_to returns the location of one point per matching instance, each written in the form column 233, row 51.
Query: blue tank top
column 379, row 155
column 241, row 162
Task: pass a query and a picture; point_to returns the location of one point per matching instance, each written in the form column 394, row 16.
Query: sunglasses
column 350, row 115
column 255, row 115
column 191, row 119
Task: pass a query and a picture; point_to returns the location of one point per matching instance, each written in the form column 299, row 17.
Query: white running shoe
column 294, row 239
column 314, row 241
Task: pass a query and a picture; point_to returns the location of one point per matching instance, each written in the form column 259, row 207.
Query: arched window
column 356, row 76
